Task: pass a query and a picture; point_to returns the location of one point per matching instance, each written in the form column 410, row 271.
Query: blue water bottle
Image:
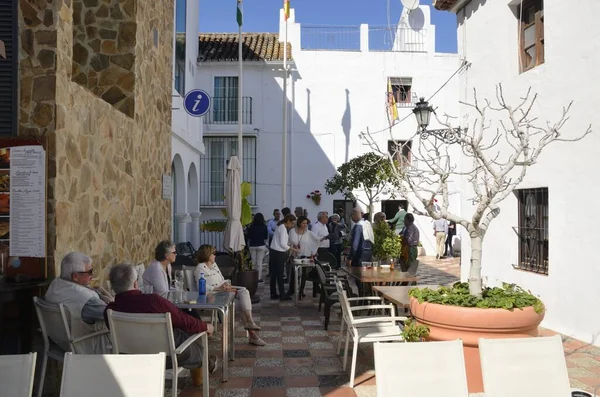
column 201, row 285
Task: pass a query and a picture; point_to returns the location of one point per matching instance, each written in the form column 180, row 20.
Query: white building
column 553, row 47
column 338, row 89
column 187, row 146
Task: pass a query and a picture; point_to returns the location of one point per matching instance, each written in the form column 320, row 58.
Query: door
column 346, row 205
column 390, row 207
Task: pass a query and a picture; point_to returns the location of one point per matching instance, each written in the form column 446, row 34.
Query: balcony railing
column 397, row 39
column 225, row 111
column 330, row 38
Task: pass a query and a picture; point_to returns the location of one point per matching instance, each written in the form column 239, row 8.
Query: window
column 180, row 77
column 402, row 90
column 531, row 35
column 533, row 230
column 225, row 101
column 214, row 175
column 180, row 15
column 401, row 152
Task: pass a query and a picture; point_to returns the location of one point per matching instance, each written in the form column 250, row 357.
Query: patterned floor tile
column 267, row 381
column 296, row 353
column 269, row 362
column 303, row 392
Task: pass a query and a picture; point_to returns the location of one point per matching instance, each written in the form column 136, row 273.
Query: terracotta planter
column 469, row 324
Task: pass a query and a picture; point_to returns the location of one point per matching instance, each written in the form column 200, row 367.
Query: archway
column 178, row 183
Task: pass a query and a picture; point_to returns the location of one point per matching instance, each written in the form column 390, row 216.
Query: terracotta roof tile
column 444, row 5
column 215, row 47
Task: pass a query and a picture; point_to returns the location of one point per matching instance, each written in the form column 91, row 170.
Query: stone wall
column 104, row 42
column 105, row 168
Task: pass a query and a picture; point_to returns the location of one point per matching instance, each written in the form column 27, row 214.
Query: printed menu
column 23, row 200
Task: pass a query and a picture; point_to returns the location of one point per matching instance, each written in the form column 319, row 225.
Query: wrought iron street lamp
column 423, row 113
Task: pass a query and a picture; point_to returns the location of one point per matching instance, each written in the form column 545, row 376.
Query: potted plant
column 387, row 244
column 422, row 251
column 412, row 331
column 469, row 311
column 315, row 196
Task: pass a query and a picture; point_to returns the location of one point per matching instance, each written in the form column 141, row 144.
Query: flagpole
column 240, row 85
column 285, row 109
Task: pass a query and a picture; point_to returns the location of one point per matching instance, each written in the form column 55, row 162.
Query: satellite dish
column 410, row 4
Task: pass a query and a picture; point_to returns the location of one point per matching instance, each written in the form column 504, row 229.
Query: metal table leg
column 232, row 332
column 225, row 344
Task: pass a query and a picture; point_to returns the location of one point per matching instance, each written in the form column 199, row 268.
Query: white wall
column 334, row 95
column 186, row 141
column 488, row 38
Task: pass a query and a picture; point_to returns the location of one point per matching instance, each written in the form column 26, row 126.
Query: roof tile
column 217, row 47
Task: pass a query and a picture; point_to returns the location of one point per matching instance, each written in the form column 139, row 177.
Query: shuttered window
column 8, row 68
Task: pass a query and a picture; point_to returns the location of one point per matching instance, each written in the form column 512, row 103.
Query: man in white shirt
column 440, row 230
column 85, row 305
column 320, row 230
column 272, row 223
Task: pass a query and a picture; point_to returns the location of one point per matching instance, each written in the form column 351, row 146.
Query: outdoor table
column 398, row 295
column 377, row 276
column 220, row 301
column 298, row 272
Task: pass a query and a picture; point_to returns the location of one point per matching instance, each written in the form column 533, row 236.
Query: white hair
column 122, row 277
column 73, row 262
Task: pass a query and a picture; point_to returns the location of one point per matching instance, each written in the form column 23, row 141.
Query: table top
column 379, row 275
column 212, row 300
column 13, row 287
column 399, row 294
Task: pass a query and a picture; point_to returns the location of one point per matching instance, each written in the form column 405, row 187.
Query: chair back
column 55, row 323
column 436, row 369
column 227, row 265
column 346, row 312
column 189, row 279
column 524, row 366
column 16, row 375
column 141, row 333
column 99, row 375
column 324, row 256
column 140, row 268
column 185, row 249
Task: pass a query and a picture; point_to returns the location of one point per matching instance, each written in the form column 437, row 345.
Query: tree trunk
column 370, row 211
column 475, row 285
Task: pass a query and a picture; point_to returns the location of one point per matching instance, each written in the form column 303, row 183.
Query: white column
column 364, row 38
column 195, row 228
column 182, row 220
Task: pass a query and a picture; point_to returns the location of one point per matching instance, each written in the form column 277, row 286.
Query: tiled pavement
column 300, row 358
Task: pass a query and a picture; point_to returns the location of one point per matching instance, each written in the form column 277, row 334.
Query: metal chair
column 99, row 375
column 55, row 323
column 16, row 375
column 134, row 333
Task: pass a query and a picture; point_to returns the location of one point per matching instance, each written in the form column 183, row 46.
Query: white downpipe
column 284, row 129
column 240, row 108
column 292, row 143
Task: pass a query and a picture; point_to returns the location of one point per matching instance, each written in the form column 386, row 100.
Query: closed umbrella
column 234, row 233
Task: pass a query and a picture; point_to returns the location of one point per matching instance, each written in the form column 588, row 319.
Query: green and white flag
column 240, row 15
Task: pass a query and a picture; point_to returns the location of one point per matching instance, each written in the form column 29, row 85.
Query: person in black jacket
column 449, row 251
column 258, row 235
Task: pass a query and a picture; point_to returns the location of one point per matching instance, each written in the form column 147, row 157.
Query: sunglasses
column 89, row 272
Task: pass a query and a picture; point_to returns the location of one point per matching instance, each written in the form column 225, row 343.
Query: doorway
column 346, row 205
column 390, row 207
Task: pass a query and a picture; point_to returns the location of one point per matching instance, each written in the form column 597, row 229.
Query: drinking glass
column 179, row 277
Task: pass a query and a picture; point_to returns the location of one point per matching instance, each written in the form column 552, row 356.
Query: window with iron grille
column 214, row 167
column 531, row 45
column 225, row 101
column 402, row 91
column 9, row 75
column 533, row 230
column 400, row 152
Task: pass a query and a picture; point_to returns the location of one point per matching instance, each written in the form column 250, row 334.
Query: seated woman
column 216, row 282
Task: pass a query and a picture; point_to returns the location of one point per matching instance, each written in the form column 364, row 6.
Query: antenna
column 410, row 4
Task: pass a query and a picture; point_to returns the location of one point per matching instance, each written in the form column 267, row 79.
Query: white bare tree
column 501, row 151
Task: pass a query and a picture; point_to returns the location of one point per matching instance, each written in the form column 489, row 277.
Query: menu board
column 23, row 201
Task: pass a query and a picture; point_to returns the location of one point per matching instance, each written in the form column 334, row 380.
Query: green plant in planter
column 413, row 332
column 387, row 244
column 509, row 297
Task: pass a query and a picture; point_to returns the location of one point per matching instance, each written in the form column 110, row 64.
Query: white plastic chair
column 134, row 333
column 55, row 323
column 367, row 329
column 140, row 268
column 421, row 369
column 100, row 375
column 524, row 367
column 16, row 375
column 188, row 278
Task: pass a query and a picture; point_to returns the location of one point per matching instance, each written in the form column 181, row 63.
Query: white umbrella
column 234, row 233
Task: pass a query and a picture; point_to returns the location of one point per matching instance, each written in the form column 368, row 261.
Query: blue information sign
column 197, row 103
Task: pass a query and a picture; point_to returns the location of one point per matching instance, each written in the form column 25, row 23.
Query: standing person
column 216, row 282
column 299, row 211
column 449, row 251
column 369, row 239
column 272, row 224
column 257, row 236
column 410, row 243
column 277, row 256
column 285, row 211
column 305, row 242
column 338, row 231
column 398, row 219
column 158, row 274
column 440, row 230
column 356, row 239
column 322, row 232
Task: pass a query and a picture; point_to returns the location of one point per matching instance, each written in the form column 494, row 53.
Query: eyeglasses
column 173, row 252
column 89, row 272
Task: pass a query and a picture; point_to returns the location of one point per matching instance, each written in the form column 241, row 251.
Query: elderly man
column 85, row 305
column 361, row 239
column 129, row 299
column 321, row 230
column 410, row 243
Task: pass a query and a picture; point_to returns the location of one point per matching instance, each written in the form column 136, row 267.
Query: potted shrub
column 469, row 311
column 414, row 332
column 387, row 244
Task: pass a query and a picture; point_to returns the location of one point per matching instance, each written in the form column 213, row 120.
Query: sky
column 263, row 16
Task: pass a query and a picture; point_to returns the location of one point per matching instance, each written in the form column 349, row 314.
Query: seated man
column 129, row 299
column 85, row 305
